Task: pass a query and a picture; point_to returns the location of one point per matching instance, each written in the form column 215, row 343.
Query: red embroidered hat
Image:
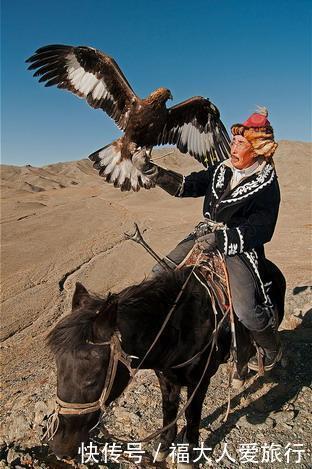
column 259, row 132
column 257, row 119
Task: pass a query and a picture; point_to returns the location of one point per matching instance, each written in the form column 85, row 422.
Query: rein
column 117, row 354
column 182, row 411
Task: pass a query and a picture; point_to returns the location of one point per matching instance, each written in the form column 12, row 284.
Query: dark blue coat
column 249, row 211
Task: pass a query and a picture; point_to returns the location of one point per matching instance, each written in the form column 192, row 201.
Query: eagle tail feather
column 117, row 170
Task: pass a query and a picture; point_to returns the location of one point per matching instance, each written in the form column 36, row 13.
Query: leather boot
column 267, row 340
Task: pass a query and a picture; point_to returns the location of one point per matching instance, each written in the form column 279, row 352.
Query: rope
column 182, row 411
column 71, row 408
column 167, row 317
column 52, row 426
column 63, row 407
column 233, row 335
column 231, row 374
column 213, row 303
column 213, row 344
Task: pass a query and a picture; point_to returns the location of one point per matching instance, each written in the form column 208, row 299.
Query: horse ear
column 80, row 297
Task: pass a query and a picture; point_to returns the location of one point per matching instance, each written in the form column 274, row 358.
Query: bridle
column 117, row 354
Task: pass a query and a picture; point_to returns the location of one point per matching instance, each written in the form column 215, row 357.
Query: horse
column 81, row 342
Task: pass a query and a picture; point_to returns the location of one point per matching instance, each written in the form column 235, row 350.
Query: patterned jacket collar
column 244, row 173
column 262, row 177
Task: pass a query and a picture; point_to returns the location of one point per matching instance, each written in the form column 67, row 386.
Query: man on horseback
column 241, row 204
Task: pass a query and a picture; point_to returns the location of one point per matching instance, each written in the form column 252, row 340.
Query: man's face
column 242, row 153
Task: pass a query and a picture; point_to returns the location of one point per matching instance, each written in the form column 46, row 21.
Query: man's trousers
column 254, row 316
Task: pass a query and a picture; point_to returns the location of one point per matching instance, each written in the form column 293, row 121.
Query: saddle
column 211, row 271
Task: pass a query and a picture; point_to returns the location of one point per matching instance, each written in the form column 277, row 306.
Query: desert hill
column 62, row 223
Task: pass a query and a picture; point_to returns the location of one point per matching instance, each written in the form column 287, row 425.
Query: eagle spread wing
column 195, row 127
column 88, row 73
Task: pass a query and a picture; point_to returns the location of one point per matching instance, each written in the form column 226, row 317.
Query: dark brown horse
column 80, row 345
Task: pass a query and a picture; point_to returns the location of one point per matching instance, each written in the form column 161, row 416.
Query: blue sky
column 237, row 53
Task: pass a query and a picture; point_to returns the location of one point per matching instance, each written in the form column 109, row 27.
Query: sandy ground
column 62, row 223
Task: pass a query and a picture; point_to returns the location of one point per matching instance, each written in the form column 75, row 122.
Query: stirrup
column 253, row 363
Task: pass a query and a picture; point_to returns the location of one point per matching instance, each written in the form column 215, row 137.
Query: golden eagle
column 194, row 125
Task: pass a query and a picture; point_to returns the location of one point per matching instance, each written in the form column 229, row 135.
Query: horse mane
column 77, row 327
column 159, row 290
column 72, row 331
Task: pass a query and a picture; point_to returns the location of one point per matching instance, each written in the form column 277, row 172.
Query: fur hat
column 259, row 132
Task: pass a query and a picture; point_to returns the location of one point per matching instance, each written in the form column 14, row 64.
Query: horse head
column 81, row 345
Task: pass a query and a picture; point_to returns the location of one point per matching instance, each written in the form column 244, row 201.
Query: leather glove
column 207, row 242
column 202, row 229
column 168, row 180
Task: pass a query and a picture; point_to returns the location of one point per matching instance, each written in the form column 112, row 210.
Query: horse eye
column 91, row 382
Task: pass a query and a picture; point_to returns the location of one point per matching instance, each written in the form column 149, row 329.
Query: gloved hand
column 168, row 180
column 142, row 162
column 202, row 229
column 207, row 242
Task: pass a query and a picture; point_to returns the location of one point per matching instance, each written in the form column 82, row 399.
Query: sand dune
column 62, row 223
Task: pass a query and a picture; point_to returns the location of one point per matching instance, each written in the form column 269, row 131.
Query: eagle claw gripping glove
column 168, row 180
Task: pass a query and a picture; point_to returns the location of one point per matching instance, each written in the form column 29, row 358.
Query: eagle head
column 161, row 95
